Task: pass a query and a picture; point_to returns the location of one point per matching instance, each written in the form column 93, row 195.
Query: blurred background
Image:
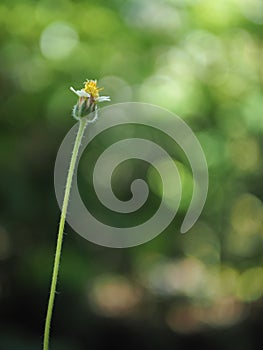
column 201, row 60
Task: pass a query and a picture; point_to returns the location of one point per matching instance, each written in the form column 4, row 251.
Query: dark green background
column 201, row 60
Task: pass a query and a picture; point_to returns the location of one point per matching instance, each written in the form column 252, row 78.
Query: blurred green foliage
column 203, row 61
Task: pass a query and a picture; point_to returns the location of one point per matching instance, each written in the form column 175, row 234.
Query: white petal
column 80, row 93
column 103, row 98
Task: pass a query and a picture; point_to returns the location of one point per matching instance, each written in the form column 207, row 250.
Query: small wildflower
column 92, row 89
column 88, row 98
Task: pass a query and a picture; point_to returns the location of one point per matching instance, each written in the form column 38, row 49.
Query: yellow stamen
column 92, row 89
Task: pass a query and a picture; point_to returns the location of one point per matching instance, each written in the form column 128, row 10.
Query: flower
column 88, row 98
column 91, row 91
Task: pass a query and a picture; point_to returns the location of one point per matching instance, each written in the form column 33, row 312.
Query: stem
column 82, row 125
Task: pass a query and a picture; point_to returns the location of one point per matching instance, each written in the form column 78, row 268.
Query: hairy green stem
column 82, row 125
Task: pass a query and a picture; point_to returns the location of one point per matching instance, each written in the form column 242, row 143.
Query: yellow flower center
column 92, row 89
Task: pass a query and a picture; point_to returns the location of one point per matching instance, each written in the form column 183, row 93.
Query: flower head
column 92, row 89
column 88, row 98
